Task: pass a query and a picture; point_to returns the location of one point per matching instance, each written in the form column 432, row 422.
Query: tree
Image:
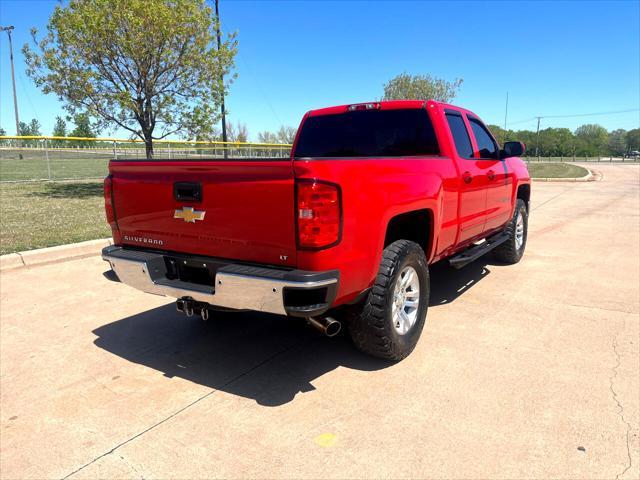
column 267, row 137
column 420, row 87
column 30, row 129
column 633, row 140
column 60, row 128
column 618, row 142
column 82, row 126
column 150, row 67
column 591, row 140
column 237, row 133
column 3, row 132
column 286, row 134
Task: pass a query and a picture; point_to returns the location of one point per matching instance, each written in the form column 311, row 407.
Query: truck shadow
column 447, row 283
column 79, row 190
column 264, row 357
column 268, row 358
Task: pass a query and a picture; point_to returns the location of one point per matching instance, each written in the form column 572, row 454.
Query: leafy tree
column 556, row 142
column 420, row 87
column 150, row 67
column 35, row 127
column 591, row 140
column 3, row 132
column 24, row 129
column 633, row 139
column 60, row 128
column 618, row 142
column 82, row 126
column 30, row 129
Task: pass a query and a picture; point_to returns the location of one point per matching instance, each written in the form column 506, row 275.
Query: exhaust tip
column 327, row 325
column 332, row 328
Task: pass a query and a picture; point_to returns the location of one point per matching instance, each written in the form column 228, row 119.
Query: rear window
column 368, row 133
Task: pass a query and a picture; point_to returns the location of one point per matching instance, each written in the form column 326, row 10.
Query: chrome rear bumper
column 235, row 286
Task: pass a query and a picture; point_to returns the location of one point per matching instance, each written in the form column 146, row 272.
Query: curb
column 587, row 178
column 60, row 253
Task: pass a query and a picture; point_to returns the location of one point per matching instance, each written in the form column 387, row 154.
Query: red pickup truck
column 345, row 228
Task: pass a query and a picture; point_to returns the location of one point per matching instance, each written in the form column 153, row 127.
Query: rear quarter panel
column 373, row 192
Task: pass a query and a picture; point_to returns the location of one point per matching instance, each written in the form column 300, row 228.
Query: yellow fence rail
column 137, row 140
column 29, row 158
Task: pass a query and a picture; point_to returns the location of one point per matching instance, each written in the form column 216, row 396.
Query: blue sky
column 554, row 58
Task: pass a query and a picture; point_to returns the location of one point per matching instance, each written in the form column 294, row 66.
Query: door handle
column 467, row 177
column 187, row 191
column 491, row 174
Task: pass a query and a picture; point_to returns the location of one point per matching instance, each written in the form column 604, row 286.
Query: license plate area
column 196, row 271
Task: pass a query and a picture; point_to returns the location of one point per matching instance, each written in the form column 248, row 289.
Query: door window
column 460, row 135
column 487, row 148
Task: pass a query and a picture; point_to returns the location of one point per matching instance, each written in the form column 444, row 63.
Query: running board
column 475, row 252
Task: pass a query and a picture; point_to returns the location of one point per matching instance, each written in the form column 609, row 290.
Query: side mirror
column 512, row 149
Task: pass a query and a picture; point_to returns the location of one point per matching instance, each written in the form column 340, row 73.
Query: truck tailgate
column 244, row 210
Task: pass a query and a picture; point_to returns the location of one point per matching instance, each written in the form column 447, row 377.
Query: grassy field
column 43, row 214
column 556, row 170
column 69, row 163
column 62, row 165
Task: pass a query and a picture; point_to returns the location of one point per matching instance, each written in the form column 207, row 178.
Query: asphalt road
column 526, row 371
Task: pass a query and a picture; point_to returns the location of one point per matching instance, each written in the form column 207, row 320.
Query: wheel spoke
column 405, row 322
column 411, row 304
column 408, row 279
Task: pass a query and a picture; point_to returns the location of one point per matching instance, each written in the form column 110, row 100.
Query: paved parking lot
column 526, row 371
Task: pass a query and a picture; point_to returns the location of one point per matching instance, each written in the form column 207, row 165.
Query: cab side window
column 486, row 146
column 460, row 135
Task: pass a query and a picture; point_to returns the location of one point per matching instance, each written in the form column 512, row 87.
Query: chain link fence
column 24, row 159
column 577, row 158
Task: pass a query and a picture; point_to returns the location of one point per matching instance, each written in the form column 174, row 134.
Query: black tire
column 509, row 252
column 371, row 324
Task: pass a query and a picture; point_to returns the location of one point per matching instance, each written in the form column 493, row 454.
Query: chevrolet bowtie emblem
column 188, row 214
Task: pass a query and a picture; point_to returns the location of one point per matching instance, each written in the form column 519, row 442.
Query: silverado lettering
column 342, row 232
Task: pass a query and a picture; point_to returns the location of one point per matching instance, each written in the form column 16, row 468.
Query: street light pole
column 538, row 137
column 224, row 121
column 9, row 29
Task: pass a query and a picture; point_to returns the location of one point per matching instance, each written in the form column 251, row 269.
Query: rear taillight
column 318, row 212
column 108, row 201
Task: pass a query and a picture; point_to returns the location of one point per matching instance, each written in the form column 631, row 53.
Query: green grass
column 556, row 170
column 44, row 214
column 62, row 164
column 70, row 163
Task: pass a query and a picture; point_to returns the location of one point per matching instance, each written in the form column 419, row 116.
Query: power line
column 592, row 114
column 611, row 112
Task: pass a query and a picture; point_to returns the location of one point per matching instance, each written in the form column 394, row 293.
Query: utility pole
column 9, row 29
column 506, row 109
column 224, row 121
column 538, row 137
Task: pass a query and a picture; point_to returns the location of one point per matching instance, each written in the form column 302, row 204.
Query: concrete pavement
column 526, row 371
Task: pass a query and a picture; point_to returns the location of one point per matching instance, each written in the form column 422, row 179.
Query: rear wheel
column 388, row 323
column 512, row 250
